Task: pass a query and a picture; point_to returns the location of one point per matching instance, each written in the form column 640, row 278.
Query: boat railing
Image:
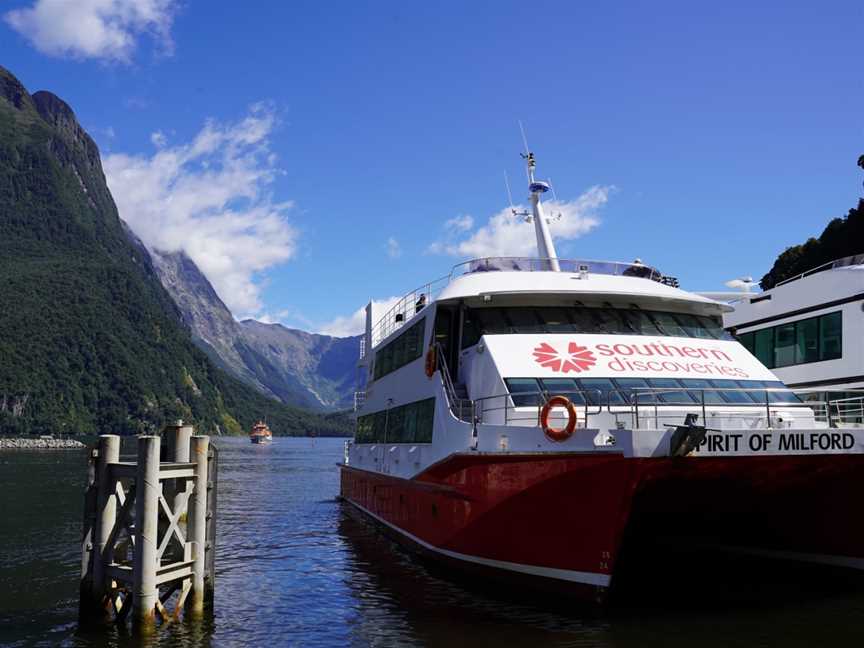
column 578, row 266
column 415, row 300
column 768, row 407
column 462, row 408
column 404, row 309
column 857, row 259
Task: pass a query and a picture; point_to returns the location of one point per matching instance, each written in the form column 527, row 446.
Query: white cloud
column 508, row 235
column 159, row 139
column 210, row 198
column 99, row 29
column 355, row 323
column 394, row 250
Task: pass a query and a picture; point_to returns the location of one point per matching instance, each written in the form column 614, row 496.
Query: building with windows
column 809, row 329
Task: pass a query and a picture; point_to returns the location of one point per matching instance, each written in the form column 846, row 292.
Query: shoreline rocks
column 40, row 444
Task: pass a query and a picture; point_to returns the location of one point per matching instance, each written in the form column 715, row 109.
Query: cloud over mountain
column 507, row 235
column 97, row 29
column 210, row 198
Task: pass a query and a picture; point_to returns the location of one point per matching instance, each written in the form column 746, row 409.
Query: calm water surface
column 296, row 568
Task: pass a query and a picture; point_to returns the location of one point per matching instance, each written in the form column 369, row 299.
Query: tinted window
column 600, row 391
column 630, row 387
column 400, row 351
column 698, row 387
column 810, row 340
column 411, row 423
column 677, row 396
column 526, row 386
column 564, row 387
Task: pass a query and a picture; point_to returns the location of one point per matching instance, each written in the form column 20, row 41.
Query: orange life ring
column 558, row 434
column 431, row 362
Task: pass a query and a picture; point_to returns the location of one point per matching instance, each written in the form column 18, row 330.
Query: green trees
column 842, row 237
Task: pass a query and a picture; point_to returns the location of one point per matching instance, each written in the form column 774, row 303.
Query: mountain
column 90, row 341
column 842, row 237
column 298, row 368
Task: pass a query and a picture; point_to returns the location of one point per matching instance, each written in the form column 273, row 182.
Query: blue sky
column 309, row 156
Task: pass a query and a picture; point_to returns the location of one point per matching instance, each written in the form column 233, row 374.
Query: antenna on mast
column 525, row 214
column 509, row 195
column 524, row 139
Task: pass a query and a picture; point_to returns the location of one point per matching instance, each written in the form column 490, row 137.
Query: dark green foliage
column 842, row 237
column 89, row 340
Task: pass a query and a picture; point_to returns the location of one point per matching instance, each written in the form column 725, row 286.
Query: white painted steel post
column 144, row 590
column 106, row 512
column 197, row 521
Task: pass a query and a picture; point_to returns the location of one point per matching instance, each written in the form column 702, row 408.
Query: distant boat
column 260, row 433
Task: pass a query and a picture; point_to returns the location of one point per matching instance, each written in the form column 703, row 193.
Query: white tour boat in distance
column 530, row 418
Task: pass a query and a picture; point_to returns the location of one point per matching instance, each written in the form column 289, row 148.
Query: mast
column 545, row 246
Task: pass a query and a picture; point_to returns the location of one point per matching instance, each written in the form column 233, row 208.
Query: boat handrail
column 457, row 405
column 413, row 301
column 842, row 262
column 649, row 401
column 535, row 264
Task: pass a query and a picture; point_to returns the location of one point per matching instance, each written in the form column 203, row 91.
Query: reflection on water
column 296, row 567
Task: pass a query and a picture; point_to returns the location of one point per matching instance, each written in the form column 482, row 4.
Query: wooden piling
column 106, row 516
column 197, row 521
column 144, row 591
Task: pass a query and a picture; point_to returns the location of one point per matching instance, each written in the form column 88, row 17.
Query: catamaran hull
column 561, row 521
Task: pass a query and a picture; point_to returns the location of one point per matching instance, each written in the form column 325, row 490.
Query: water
column 296, row 568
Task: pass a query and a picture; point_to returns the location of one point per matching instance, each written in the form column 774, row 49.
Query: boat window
column 673, row 395
column 785, row 396
column 807, row 340
column 528, row 389
column 763, row 344
column 557, row 321
column 411, row 423
column 563, row 387
column 492, row 321
column 814, row 339
column 698, row 386
column 668, row 324
column 784, row 345
column 757, row 395
column 581, row 319
column 692, row 326
column 400, row 351
column 748, row 341
column 714, row 326
column 600, row 391
column 524, row 320
column 621, row 391
column 639, row 322
column 830, row 336
column 629, row 388
column 731, row 392
column 610, row 321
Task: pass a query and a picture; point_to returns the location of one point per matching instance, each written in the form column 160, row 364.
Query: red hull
column 561, row 519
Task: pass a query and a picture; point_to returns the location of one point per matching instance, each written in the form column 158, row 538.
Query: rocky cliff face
column 298, row 368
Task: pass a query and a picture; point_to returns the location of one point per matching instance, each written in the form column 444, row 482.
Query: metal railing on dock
column 149, row 529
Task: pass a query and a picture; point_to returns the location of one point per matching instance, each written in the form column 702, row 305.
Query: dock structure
column 149, row 529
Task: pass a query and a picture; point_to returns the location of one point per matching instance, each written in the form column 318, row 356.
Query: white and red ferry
column 534, row 417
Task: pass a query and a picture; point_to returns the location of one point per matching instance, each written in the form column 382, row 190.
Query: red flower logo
column 577, row 358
